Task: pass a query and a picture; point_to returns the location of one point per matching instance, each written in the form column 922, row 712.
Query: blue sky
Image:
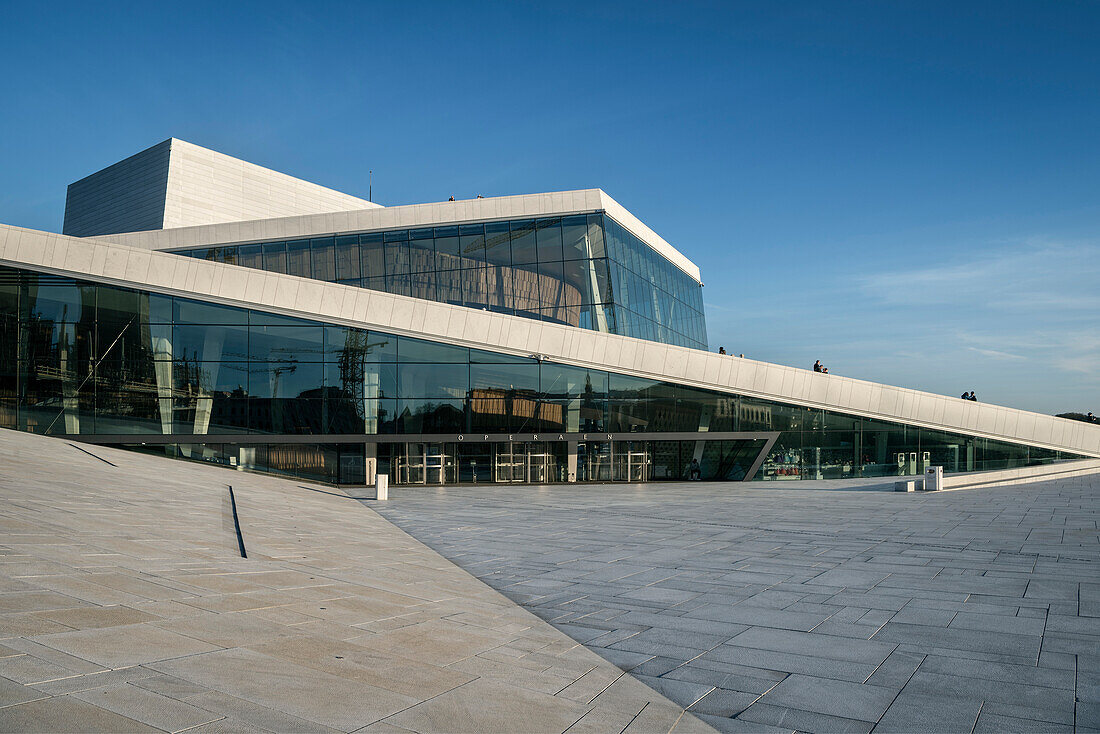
column 908, row 191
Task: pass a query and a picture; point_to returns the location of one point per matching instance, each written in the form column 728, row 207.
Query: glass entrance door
column 631, row 461
column 438, row 464
column 424, row 463
column 410, row 464
column 637, row 466
column 509, row 462
column 541, row 464
column 594, row 462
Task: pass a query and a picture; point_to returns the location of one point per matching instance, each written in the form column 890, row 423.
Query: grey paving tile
column 678, row 690
column 807, row 721
column 994, row 724
column 741, row 726
column 814, row 645
column 1002, row 643
column 723, row 702
column 791, row 663
column 832, row 697
column 931, row 684
column 914, row 712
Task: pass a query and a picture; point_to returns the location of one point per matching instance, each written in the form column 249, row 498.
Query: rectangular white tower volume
column 179, row 184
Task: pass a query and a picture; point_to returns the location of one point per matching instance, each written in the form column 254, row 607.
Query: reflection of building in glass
column 523, row 339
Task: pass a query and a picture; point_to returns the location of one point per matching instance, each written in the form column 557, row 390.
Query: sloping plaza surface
column 764, row 608
column 125, row 605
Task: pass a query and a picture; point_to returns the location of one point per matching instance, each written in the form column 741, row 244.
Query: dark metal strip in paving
column 89, row 453
column 237, row 522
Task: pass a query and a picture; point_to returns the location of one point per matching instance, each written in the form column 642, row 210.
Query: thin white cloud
column 996, row 354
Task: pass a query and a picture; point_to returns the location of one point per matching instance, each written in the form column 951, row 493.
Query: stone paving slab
column 125, row 606
column 770, row 608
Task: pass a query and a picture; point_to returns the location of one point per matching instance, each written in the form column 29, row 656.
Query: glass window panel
column 400, row 235
column 190, row 378
column 498, row 285
column 578, row 275
column 399, row 283
column 548, row 239
column 297, row 259
column 195, row 312
column 524, row 248
column 559, row 380
column 447, row 252
column 575, row 237
column 498, row 248
column 355, row 379
column 347, row 258
column 286, row 380
column 397, row 258
column 449, row 286
column 431, row 416
column 250, row 256
column 418, row 350
column 474, row 293
column 596, row 236
column 61, row 303
column 433, row 380
column 422, row 285
column 603, row 292
column 274, row 254
column 209, row 343
column 472, row 243
column 206, row 415
column 422, row 253
column 286, row 344
column 373, row 255
column 375, row 284
column 552, row 285
column 227, row 255
column 505, row 377
column 323, row 255
column 525, row 289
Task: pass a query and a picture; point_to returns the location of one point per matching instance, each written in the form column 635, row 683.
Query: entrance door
column 594, row 461
column 541, row 464
column 508, row 463
column 411, row 465
column 631, row 461
column 637, row 466
column 438, row 464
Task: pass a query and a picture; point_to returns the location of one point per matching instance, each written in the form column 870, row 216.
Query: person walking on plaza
column 694, row 472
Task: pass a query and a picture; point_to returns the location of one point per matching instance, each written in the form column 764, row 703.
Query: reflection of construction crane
column 92, row 372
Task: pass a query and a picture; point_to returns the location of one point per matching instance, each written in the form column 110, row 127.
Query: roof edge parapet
column 441, row 213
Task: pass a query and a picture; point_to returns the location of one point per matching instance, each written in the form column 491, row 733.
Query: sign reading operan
column 535, row 437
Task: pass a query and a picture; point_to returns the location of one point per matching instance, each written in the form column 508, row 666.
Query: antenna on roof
column 370, row 188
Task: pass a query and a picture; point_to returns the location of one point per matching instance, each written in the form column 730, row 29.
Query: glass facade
column 80, row 358
column 585, row 271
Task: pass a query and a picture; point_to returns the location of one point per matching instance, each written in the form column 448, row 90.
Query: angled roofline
column 434, row 214
column 159, row 272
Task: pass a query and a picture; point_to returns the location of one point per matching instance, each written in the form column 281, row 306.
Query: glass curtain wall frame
column 83, row 359
column 582, row 270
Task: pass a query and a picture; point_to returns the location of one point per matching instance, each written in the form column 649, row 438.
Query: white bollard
column 382, row 486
